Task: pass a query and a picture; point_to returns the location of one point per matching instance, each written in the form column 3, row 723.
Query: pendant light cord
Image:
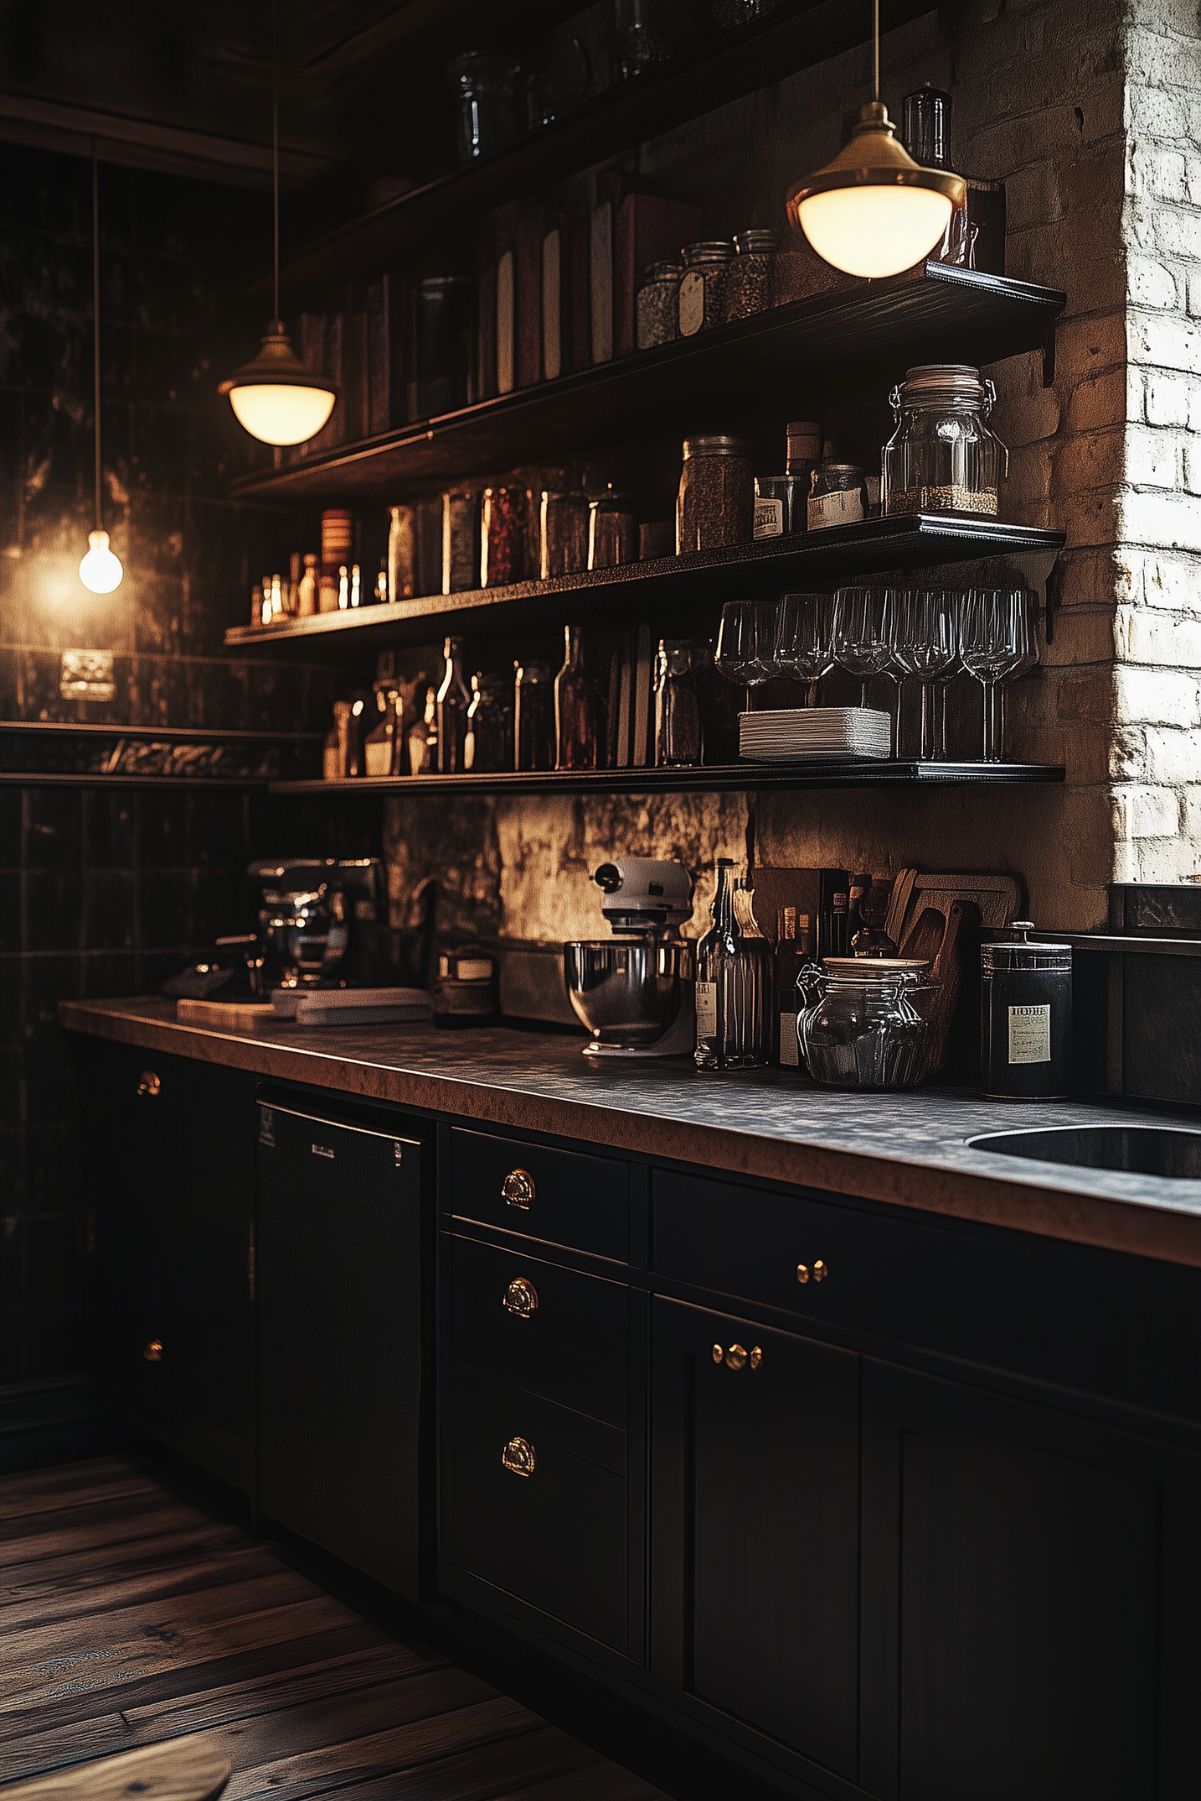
column 96, row 323
column 876, row 51
column 275, row 143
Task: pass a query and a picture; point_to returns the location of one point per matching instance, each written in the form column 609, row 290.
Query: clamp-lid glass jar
column 1025, row 1017
column 943, row 456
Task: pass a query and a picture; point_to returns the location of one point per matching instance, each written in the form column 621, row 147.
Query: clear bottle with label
column 733, row 987
column 1025, row 1017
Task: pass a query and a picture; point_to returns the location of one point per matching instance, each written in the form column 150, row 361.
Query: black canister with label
column 1025, row 1017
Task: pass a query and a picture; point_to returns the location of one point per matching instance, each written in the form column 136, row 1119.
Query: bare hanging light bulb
column 872, row 210
column 100, row 568
column 274, row 397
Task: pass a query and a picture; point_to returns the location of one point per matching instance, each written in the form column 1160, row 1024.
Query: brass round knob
column 520, row 1298
column 153, row 1352
column 736, row 1357
column 150, row 1085
column 718, row 1354
column 756, row 1356
column 518, row 1190
column 820, row 1271
column 802, row 1273
column 519, row 1457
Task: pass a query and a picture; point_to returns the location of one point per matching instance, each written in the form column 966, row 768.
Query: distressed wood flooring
column 129, row 1616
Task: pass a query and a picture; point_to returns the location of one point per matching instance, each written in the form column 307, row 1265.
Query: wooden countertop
column 906, row 1149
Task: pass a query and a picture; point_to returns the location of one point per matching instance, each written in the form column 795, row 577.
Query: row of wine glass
column 927, row 635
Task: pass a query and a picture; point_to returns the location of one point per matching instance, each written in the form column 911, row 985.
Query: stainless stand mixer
column 635, row 992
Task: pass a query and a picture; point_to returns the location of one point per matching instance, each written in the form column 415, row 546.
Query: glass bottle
column 679, row 732
column 575, row 707
column 454, row 698
column 533, row 716
column 306, row 596
column 733, row 987
column 489, row 746
column 423, row 738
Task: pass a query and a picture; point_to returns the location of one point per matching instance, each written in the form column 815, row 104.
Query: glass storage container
column 1025, row 1018
column 402, row 553
column 657, row 309
column 716, row 500
column 749, row 276
column 858, row 1025
column 563, row 533
column 487, row 87
column 612, row 531
column 503, row 537
column 837, row 495
column 460, row 540
column 489, row 745
column 703, row 285
column 534, row 716
column 943, row 456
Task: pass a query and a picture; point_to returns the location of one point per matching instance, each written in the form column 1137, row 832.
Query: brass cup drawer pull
column 518, row 1190
column 153, row 1352
column 150, row 1086
column 816, row 1272
column 737, row 1357
column 519, row 1457
column 521, row 1298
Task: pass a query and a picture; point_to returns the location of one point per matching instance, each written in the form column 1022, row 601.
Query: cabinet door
column 342, row 1305
column 755, row 1527
column 1032, row 1602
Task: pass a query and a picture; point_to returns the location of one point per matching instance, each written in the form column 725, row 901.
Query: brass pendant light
column 872, row 210
column 100, row 568
column 274, row 397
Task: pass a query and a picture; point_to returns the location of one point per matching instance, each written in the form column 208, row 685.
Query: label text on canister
column 1030, row 1034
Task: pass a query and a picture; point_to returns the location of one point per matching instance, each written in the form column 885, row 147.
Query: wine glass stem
column 927, row 749
column 992, row 723
column 750, row 697
column 863, row 687
column 940, row 723
column 811, row 694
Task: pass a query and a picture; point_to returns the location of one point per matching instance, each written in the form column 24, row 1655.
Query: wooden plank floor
column 129, row 1616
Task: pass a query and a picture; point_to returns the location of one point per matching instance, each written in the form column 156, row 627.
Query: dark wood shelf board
column 869, row 332
column 19, row 778
column 724, row 67
column 201, row 734
column 860, row 549
column 711, row 780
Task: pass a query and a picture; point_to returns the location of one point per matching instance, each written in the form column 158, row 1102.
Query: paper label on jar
column 706, row 1010
column 790, row 1050
column 841, row 507
column 692, row 303
column 1030, row 1034
column 769, row 518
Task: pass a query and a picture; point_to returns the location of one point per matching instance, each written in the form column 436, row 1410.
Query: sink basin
column 1170, row 1152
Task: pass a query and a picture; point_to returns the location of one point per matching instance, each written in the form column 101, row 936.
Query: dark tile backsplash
column 103, row 891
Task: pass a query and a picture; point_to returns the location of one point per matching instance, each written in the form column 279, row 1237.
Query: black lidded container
column 1025, row 1017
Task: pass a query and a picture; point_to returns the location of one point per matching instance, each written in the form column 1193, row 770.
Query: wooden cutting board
column 942, row 918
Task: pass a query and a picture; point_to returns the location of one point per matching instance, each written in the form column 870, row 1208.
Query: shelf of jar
column 720, row 68
column 863, row 335
column 869, row 547
column 709, row 779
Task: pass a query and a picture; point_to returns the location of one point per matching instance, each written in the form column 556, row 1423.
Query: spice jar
column 486, row 87
column 749, row 276
column 943, row 456
column 1025, row 1017
column 837, row 495
column 503, row 544
column 563, row 533
column 679, row 736
column 533, row 716
column 657, row 309
column 460, row 540
column 612, row 531
column 703, row 285
column 716, row 501
column 489, row 743
column 782, row 501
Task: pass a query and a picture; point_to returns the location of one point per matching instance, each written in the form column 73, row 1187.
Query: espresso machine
column 636, row 991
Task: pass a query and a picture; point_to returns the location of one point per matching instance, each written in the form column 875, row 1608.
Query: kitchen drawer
column 556, row 1536
column 560, row 1334
column 564, row 1197
column 1062, row 1313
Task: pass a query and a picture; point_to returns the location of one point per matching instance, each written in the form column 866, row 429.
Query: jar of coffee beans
column 716, row 501
column 658, row 305
column 703, row 285
column 749, row 276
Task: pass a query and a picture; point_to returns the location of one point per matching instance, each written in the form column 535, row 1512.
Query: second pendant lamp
column 274, row 397
column 872, row 210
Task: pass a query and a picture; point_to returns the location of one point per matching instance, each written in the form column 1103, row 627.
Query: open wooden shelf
column 866, row 333
column 713, row 779
column 920, row 540
column 725, row 66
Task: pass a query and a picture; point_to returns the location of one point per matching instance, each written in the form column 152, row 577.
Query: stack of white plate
column 800, row 734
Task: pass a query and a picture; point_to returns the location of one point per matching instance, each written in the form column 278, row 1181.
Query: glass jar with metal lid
column 1025, row 1017
column 657, row 310
column 716, row 500
column 749, row 276
column 837, row 495
column 703, row 285
column 943, row 456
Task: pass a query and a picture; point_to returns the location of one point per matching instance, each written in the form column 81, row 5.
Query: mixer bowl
column 627, row 991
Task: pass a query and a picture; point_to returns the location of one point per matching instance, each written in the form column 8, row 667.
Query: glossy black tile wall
column 103, row 890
